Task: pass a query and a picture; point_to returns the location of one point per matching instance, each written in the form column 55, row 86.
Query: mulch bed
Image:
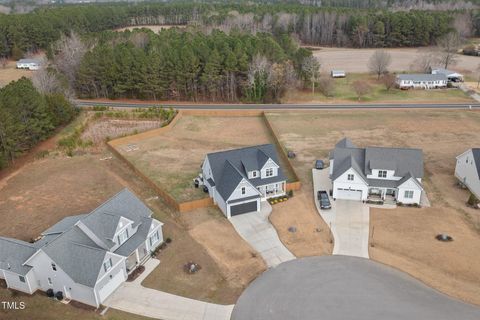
column 134, row 275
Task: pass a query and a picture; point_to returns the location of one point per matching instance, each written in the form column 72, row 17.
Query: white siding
column 466, row 172
column 220, row 202
column 269, row 165
column 409, row 185
column 390, row 175
column 249, row 191
column 107, row 282
column 13, row 281
column 342, row 182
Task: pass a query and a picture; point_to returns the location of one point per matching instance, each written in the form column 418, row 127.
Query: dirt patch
column 404, row 238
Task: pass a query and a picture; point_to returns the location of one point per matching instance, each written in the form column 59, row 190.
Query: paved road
column 344, row 288
column 348, row 220
column 256, row 229
column 84, row 103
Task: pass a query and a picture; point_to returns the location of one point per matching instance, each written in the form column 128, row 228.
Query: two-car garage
column 251, row 206
column 348, row 194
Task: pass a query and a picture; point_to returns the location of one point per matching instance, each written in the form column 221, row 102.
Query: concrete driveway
column 344, row 288
column 134, row 298
column 348, row 220
column 256, row 229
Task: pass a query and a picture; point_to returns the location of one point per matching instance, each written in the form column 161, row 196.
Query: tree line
column 28, row 117
column 184, row 65
column 339, row 26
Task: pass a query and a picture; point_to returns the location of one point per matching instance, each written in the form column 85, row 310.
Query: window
column 350, row 177
column 382, row 174
column 21, row 278
column 54, row 267
column 107, row 265
column 50, row 281
column 122, row 237
column 254, row 174
column 243, row 190
column 154, row 239
column 408, row 194
column 269, row 172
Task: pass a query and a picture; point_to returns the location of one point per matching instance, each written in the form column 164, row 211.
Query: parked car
column 319, row 164
column 322, row 196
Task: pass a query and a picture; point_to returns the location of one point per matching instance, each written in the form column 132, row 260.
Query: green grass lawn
column 343, row 91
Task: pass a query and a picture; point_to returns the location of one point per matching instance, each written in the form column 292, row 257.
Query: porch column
column 137, row 256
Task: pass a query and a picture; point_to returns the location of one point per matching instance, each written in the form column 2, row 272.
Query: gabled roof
column 63, row 225
column 407, row 177
column 402, row 160
column 13, row 253
column 135, row 240
column 345, row 143
column 422, row 77
column 230, row 167
column 476, row 158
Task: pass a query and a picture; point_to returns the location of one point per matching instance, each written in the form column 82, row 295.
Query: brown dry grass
column 173, row 159
column 11, row 73
column 404, row 237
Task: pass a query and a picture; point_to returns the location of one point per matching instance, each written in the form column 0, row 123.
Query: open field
column 356, row 60
column 344, row 93
column 11, row 73
column 173, row 158
column 404, row 237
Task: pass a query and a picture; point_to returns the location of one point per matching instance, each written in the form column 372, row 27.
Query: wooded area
column 28, row 117
column 339, row 26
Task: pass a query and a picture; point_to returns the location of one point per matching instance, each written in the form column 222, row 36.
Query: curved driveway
column 344, row 288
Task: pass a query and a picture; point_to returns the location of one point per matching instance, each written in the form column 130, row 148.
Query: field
column 344, row 92
column 404, row 237
column 11, row 73
column 173, row 159
column 356, row 60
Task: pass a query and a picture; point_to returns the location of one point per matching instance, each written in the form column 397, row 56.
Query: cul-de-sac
column 240, row 160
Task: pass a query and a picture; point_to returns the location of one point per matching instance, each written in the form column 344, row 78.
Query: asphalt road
column 344, row 288
column 84, row 103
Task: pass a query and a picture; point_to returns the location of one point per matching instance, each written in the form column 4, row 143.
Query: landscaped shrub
column 50, row 293
column 168, row 240
column 472, row 200
column 290, row 193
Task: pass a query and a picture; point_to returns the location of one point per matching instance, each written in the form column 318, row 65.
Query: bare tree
column 478, row 75
column 379, row 62
column 3, row 62
column 389, row 80
column 45, row 81
column 448, row 46
column 361, row 88
column 425, row 61
column 326, row 86
column 311, row 70
column 69, row 52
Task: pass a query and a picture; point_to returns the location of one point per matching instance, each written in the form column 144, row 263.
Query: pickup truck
column 322, row 196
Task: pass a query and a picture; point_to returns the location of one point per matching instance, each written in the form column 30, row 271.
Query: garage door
column 111, row 285
column 349, row 194
column 243, row 208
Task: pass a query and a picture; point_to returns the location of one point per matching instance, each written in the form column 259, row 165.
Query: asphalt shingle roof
column 137, row 239
column 63, row 225
column 423, row 77
column 476, row 158
column 13, row 253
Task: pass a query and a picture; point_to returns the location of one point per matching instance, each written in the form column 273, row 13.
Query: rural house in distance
column 421, row 81
column 376, row 173
column 85, row 257
column 238, row 180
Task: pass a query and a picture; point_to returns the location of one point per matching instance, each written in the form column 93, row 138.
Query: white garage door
column 111, row 285
column 349, row 194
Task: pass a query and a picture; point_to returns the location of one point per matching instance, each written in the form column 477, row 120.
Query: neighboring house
column 467, row 170
column 451, row 75
column 421, row 81
column 86, row 256
column 238, row 180
column 338, row 74
column 376, row 173
column 30, row 64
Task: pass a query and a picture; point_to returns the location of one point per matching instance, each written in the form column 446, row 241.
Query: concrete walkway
column 134, row 298
column 348, row 220
column 257, row 230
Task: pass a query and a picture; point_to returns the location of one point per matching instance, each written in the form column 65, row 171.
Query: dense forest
column 28, row 117
column 175, row 64
column 21, row 33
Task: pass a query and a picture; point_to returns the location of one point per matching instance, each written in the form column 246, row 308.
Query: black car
column 323, row 199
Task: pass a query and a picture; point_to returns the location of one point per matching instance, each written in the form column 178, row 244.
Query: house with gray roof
column 451, row 75
column 467, row 170
column 30, row 64
column 421, row 81
column 87, row 256
column 376, row 173
column 239, row 180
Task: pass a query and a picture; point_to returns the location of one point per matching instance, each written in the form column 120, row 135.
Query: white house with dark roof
column 87, row 256
column 451, row 75
column 238, row 180
column 30, row 64
column 467, row 170
column 421, row 81
column 376, row 173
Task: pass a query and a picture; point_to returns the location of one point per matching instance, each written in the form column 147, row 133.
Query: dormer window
column 254, row 174
column 107, row 265
column 269, row 172
column 122, row 237
column 382, row 174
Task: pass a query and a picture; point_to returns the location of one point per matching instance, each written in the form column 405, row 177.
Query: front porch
column 272, row 190
column 137, row 258
column 382, row 195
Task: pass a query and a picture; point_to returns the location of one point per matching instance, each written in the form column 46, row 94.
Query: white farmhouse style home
column 421, row 81
column 451, row 75
column 467, row 170
column 30, row 64
column 238, row 180
column 85, row 257
column 376, row 173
